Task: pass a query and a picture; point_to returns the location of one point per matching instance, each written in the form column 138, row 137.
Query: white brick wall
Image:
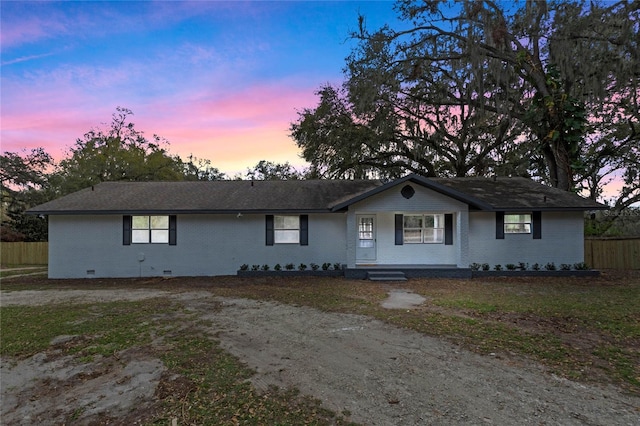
column 562, row 241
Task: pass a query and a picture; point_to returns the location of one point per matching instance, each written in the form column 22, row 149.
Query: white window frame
column 365, row 232
column 518, row 223
column 286, row 229
column 150, row 229
column 423, row 234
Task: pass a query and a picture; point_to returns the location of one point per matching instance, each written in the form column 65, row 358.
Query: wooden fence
column 599, row 253
column 612, row 253
column 24, row 253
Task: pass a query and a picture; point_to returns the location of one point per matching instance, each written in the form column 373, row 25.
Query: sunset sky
column 219, row 80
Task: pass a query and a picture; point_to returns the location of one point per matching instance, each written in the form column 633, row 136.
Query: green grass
column 213, row 386
column 104, row 328
column 31, row 270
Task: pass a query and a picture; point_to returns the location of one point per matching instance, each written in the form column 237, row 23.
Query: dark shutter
column 448, row 229
column 269, row 229
column 173, row 231
column 499, row 225
column 304, row 230
column 399, row 230
column 127, row 222
column 536, row 218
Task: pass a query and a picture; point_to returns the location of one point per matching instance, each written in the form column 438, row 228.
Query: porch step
column 386, row 276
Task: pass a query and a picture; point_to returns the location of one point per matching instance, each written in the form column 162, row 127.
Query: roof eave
column 173, row 211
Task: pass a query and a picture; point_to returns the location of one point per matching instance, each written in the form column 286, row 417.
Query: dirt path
column 376, row 373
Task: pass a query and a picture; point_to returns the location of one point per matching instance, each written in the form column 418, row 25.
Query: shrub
column 581, row 266
column 244, row 267
column 550, row 266
column 302, row 267
column 277, row 267
column 314, row 266
column 337, row 266
column 485, row 266
column 498, row 267
column 535, row 266
column 475, row 266
column 255, row 267
column 265, row 267
column 289, row 266
column 565, row 267
column 326, row 266
column 523, row 266
column 510, row 266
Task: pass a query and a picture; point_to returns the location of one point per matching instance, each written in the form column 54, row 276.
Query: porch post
column 462, row 238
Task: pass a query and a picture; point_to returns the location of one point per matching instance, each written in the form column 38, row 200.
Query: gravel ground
column 371, row 372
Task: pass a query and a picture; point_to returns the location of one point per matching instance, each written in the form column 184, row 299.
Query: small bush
column 314, row 266
column 302, row 267
column 289, row 266
column 337, row 266
column 277, row 267
column 523, row 266
column 535, row 266
column 255, row 267
column 581, row 266
column 485, row 266
column 498, row 267
column 475, row 266
column 550, row 266
column 326, row 266
column 244, row 267
column 510, row 266
column 265, row 267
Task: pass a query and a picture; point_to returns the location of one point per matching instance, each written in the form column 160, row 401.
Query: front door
column 366, row 243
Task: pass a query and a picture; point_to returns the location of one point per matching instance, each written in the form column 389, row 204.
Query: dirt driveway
column 376, row 373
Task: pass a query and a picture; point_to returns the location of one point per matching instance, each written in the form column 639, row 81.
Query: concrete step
column 386, row 276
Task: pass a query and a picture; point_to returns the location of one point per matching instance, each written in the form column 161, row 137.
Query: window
column 365, row 232
column 517, row 223
column 425, row 229
column 286, row 229
column 150, row 229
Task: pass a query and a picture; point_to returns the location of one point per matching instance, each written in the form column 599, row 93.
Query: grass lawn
column 586, row 329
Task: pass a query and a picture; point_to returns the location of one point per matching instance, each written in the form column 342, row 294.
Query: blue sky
column 219, row 80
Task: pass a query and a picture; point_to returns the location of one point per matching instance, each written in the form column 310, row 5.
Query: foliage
column 119, row 153
column 267, row 170
column 24, row 180
column 540, row 89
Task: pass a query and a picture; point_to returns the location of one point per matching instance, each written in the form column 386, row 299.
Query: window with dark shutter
column 173, row 230
column 448, row 229
column 399, row 229
column 126, row 230
column 536, row 219
column 304, row 230
column 269, row 229
column 499, row 225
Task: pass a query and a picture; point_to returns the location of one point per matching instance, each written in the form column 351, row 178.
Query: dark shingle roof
column 517, row 193
column 206, row 197
column 302, row 196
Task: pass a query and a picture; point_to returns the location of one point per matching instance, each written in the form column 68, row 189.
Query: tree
column 201, row 169
column 268, row 170
column 118, row 153
column 24, row 179
column 479, row 87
